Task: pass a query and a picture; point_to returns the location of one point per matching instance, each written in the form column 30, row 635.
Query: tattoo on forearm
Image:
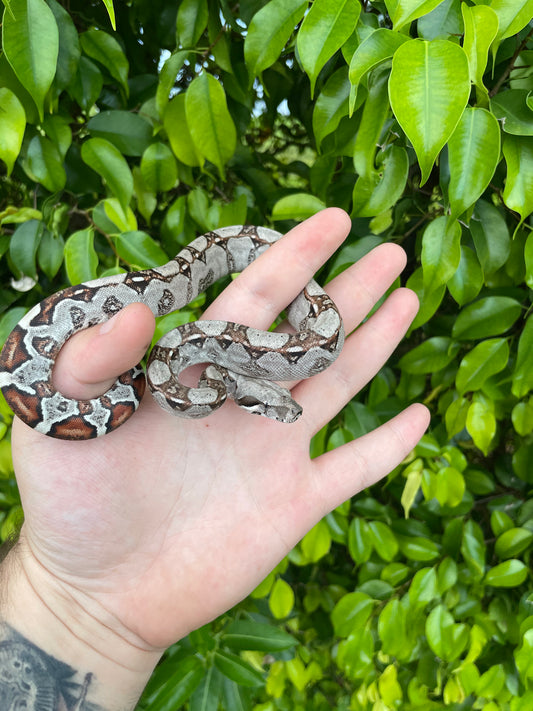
column 31, row 680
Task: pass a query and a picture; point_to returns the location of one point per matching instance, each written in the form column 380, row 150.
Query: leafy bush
column 416, row 116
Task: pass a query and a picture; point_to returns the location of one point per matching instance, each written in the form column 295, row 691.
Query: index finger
column 271, row 282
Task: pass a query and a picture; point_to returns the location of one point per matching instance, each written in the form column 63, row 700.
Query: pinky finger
column 347, row 470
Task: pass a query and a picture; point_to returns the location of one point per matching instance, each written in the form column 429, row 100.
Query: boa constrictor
column 245, row 360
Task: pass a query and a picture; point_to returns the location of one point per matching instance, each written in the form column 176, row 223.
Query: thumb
column 91, row 360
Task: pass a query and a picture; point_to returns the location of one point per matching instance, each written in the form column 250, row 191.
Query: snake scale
column 244, row 361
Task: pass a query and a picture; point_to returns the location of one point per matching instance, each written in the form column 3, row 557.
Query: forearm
column 60, row 651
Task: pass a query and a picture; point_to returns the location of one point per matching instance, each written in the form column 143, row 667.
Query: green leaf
column 383, row 540
column 403, row 12
column 268, row 32
column 210, row 124
column 441, row 251
column 429, row 79
column 500, row 522
column 81, row 259
column 139, row 250
column 300, row 675
column 111, row 12
column 483, row 361
column 432, row 355
column 50, row 253
column 447, row 486
column 145, row 197
column 524, row 659
column 411, row 487
column 331, row 105
column 116, row 218
column 374, row 49
column 513, row 16
column 167, row 79
column 158, row 168
column 513, row 542
column 326, row 27
column 481, row 27
column 446, row 575
column 105, row 49
column 511, row 108
column 418, row 548
column 43, row 163
column 392, row 630
column 298, row 206
column 359, row 543
column 481, row 424
column 474, row 153
column 9, row 320
column 191, row 21
column 235, row 697
column 243, row 635
column 509, row 574
column 455, row 417
column 30, row 40
column 467, row 280
column 375, row 111
column 351, row 613
column 486, row 317
column 316, row 542
column 7, row 5
column 87, row 84
column 177, row 686
column 59, row 132
column 128, row 132
column 23, row 247
column 69, row 46
column 110, row 164
column 446, row 639
column 518, row 191
column 442, row 22
column 179, row 135
column 395, row 573
column 390, row 690
column 491, row 682
column 491, row 236
column 12, row 126
column 473, row 548
column 281, row 600
column 428, row 297
column 8, row 80
column 207, row 694
column 523, row 369
column 376, row 192
column 355, row 654
column 237, row 669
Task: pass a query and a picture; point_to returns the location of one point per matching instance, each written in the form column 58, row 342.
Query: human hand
column 166, row 523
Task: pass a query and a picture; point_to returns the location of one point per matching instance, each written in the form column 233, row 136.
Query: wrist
column 109, row 664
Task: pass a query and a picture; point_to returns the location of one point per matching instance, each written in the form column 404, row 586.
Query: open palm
column 166, row 522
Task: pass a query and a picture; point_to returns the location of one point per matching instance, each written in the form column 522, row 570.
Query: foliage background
column 118, row 146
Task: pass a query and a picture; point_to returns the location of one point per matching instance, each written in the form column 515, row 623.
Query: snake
column 243, row 363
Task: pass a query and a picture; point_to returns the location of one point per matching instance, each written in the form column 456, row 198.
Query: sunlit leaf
column 326, row 27
column 30, row 40
column 429, row 79
column 12, row 125
column 474, row 153
column 268, row 32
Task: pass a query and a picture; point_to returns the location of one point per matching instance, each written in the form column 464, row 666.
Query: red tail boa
column 245, row 360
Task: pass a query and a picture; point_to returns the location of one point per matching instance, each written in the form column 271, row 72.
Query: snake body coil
column 245, row 360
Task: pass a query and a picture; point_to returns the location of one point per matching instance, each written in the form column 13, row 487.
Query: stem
column 511, row 64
